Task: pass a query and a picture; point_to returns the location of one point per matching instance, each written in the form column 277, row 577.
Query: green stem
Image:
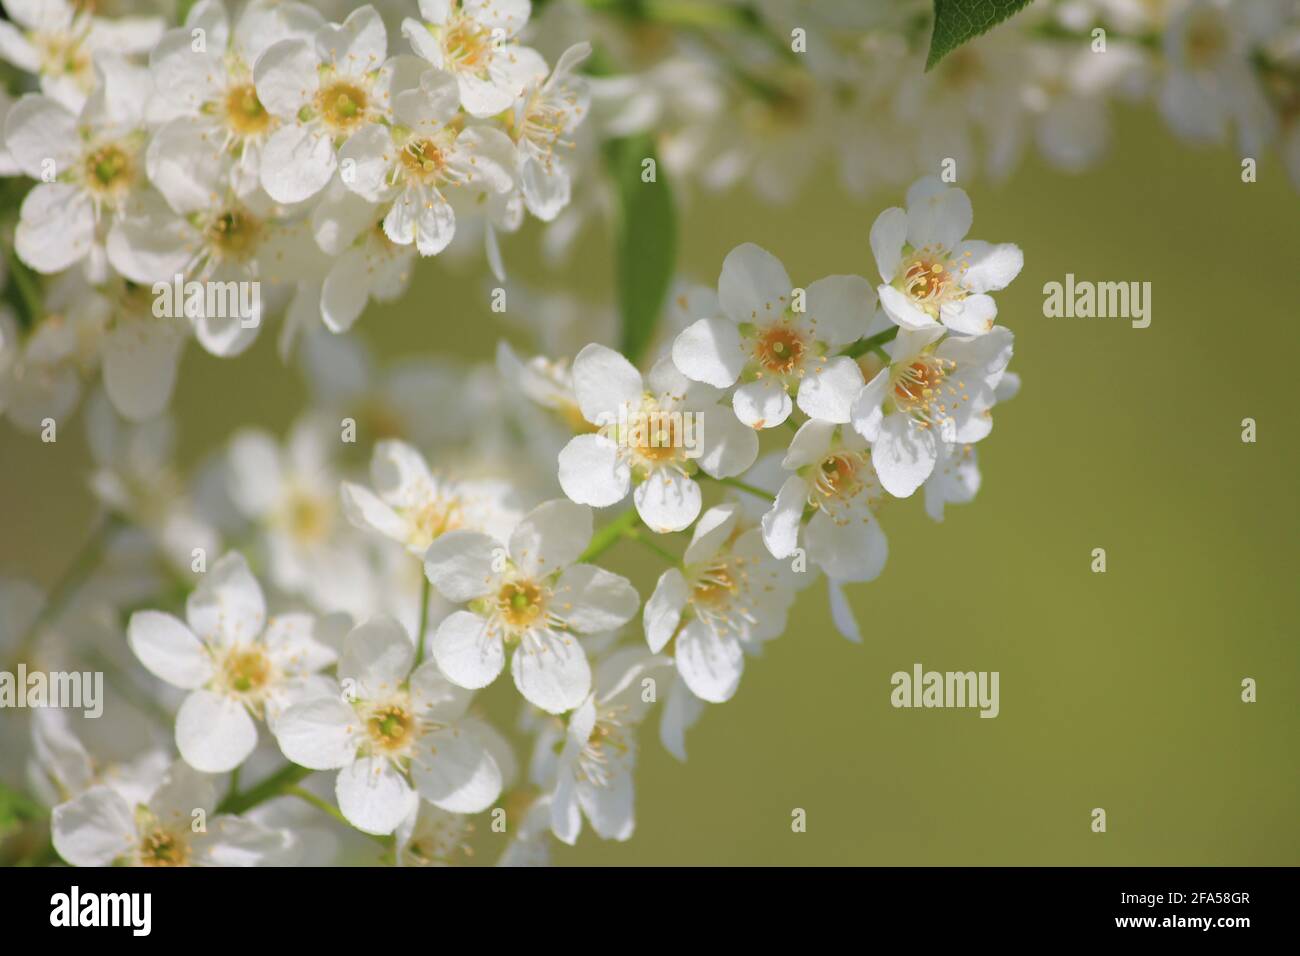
column 424, row 619
column 71, row 581
column 1051, row 30
column 646, row 541
column 28, row 288
column 326, row 807
column 233, row 789
column 746, row 487
column 866, row 344
column 605, row 538
column 273, row 786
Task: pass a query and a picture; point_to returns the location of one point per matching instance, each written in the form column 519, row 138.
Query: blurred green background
column 1118, row 690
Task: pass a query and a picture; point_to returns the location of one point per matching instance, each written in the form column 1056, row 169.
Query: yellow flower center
column 435, row 518
column 391, row 727
column 424, row 159
column 780, row 349
column 307, row 517
column 838, row 476
column 1207, row 39
column 234, row 233
column 163, row 848
column 342, row 105
column 245, row 114
column 521, row 604
column 247, row 670
column 715, row 588
column 109, row 170
column 466, row 45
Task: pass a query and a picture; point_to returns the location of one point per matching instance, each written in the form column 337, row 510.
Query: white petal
column 709, row 351
column 547, row 188
column 851, row 551
column 781, row 523
column 551, row 671
column 762, row 404
column 452, row 769
column 345, row 291
column 899, row 307
column 400, row 473
column 609, row 808
column 590, row 599
column 296, row 164
column 366, row 511
column 987, row 267
column 681, row 710
column 435, row 225
column 214, row 733
column 972, row 315
column 286, row 77
column 168, row 649
column 888, row 233
column 56, row 227
column 358, row 45
column 667, row 500
column 839, row 308
column 257, row 482
column 753, row 286
column 904, row 454
column 603, row 382
column 710, row 665
column 730, row 446
column 868, row 412
column 591, row 472
column 38, row 130
column 227, row 607
column 842, row 612
column 93, row 829
column 462, row 564
column 236, row 841
column 377, row 656
column 371, row 152
column 140, row 364
column 374, row 796
column 942, row 217
column 550, row 537
column 482, row 98
column 663, row 612
column 466, row 652
column 319, row 734
column 828, row 392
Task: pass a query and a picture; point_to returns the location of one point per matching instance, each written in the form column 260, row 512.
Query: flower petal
column 551, row 671
column 452, row 769
column 709, row 351
column 319, row 734
column 550, row 537
column 374, row 796
column 168, row 649
column 214, row 733
column 590, row 599
column 591, row 472
column 710, row 664
column 667, row 500
column 466, row 651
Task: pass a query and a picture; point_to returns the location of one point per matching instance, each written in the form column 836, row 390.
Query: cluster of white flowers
column 312, row 159
column 317, row 157
column 765, row 95
column 286, row 613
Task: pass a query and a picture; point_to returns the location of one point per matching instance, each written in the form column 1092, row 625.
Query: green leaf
column 956, row 21
column 645, row 240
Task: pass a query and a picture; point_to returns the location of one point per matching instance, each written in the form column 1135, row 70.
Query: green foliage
column 645, row 240
column 957, row 21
